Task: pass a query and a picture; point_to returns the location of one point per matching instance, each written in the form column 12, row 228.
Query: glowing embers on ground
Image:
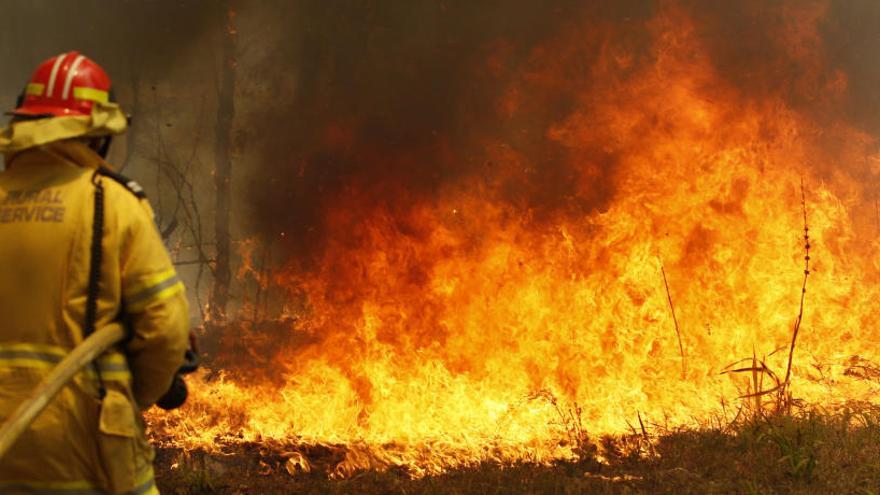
column 465, row 326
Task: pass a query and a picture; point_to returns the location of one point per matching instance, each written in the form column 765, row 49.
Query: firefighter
column 78, row 251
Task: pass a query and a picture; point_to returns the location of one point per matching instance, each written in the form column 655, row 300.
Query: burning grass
column 494, row 329
column 809, row 452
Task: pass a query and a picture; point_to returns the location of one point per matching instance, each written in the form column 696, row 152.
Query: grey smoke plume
column 397, row 99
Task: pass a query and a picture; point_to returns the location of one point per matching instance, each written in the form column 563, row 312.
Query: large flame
column 465, row 326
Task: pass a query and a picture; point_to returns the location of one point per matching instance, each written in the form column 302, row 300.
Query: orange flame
column 467, row 327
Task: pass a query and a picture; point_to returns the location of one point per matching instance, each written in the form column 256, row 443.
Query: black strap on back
column 94, row 287
column 132, row 186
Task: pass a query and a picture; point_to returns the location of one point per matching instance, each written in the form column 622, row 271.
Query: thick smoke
column 392, row 101
column 397, row 99
column 851, row 34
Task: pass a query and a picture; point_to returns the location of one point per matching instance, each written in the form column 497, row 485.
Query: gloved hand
column 178, row 392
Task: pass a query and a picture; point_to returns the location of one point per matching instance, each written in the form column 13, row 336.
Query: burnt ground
column 812, row 453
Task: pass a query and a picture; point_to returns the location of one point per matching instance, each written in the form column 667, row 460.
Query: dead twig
column 758, row 369
column 645, row 435
column 675, row 321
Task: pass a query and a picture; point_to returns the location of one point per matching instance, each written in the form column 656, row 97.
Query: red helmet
column 67, row 84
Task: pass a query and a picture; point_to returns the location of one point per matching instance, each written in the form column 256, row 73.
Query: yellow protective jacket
column 82, row 444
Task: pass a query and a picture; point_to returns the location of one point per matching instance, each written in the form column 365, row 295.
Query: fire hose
column 79, row 358
column 83, row 355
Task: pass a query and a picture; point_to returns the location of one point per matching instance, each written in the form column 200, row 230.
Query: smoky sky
column 852, row 34
column 145, row 38
column 398, row 98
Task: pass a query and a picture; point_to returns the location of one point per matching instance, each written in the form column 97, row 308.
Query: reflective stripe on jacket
column 82, row 444
column 145, row 487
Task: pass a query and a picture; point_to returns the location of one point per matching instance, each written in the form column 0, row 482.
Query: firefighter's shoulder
column 129, row 184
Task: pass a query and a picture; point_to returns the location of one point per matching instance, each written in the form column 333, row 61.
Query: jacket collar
column 72, row 151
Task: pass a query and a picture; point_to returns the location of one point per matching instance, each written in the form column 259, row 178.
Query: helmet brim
column 45, row 111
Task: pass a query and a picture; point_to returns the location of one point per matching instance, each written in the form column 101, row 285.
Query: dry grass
column 806, row 452
column 774, row 446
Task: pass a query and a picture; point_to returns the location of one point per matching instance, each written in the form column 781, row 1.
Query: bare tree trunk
column 223, row 169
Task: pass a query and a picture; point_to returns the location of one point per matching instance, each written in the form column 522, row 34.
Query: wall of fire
column 406, row 69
